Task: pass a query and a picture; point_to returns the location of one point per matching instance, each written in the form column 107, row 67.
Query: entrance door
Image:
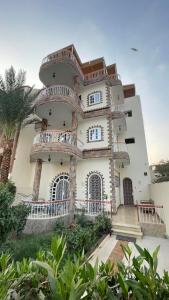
column 128, row 191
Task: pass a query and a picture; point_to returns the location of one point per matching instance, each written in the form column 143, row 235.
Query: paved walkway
column 110, row 249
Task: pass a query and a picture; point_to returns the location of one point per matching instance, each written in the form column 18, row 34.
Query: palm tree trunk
column 15, row 144
column 5, row 165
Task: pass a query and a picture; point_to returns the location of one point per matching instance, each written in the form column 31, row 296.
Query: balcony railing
column 93, row 207
column 47, row 210
column 148, row 213
column 58, row 136
column 59, row 90
column 100, row 75
column 63, row 54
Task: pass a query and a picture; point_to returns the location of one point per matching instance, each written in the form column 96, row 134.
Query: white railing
column 62, row 54
column 55, row 136
column 118, row 108
column 59, row 90
column 58, row 136
column 119, row 147
column 148, row 213
column 93, row 207
column 47, row 210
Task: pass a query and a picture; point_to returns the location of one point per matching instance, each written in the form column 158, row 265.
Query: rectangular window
column 95, row 134
column 95, row 98
column 130, row 141
column 128, row 113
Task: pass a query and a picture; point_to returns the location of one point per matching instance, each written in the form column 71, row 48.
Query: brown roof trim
column 129, row 90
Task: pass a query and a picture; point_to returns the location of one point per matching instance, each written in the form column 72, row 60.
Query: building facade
column 89, row 145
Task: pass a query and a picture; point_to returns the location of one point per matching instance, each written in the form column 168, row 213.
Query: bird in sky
column 134, row 49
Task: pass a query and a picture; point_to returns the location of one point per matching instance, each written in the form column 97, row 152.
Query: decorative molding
column 108, row 95
column 97, row 153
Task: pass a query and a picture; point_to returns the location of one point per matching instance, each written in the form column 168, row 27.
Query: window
column 94, row 98
column 60, row 188
column 130, row 141
column 95, row 134
column 128, row 113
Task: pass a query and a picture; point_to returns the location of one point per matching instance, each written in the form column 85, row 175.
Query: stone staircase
column 130, row 230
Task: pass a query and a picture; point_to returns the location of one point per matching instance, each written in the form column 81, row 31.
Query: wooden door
column 128, row 191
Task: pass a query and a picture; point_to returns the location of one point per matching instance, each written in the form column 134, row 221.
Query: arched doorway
column 60, row 188
column 95, row 191
column 128, row 191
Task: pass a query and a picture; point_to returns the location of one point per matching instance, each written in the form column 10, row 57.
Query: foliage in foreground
column 83, row 235
column 12, row 218
column 49, row 277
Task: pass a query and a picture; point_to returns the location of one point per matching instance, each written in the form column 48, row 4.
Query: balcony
column 101, row 75
column 56, row 145
column 119, row 119
column 120, row 153
column 57, row 95
column 63, row 65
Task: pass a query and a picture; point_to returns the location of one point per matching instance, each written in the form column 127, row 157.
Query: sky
column 30, row 30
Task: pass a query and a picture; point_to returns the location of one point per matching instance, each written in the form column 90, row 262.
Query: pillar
column 37, row 177
column 72, row 176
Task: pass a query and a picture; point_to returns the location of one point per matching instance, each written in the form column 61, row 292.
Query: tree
column 16, row 104
column 162, row 170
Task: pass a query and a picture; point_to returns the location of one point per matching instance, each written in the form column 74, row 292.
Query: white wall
column 85, row 125
column 49, row 172
column 117, row 95
column 137, row 152
column 84, row 167
column 160, row 195
column 23, row 170
column 100, row 86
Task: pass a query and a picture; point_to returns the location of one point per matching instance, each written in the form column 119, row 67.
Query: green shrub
column 28, row 246
column 83, row 221
column 12, row 218
column 51, row 276
column 102, row 225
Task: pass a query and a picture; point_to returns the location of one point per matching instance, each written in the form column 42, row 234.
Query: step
column 125, row 227
column 127, row 233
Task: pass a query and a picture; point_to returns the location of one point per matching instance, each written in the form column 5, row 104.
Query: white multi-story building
column 89, row 147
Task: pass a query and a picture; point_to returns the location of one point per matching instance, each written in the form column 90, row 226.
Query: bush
column 11, row 217
column 28, row 246
column 52, row 277
column 102, row 225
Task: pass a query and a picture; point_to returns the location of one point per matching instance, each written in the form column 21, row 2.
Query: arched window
column 95, row 186
column 95, row 192
column 60, row 188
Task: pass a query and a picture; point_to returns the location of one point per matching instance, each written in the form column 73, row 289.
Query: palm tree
column 16, row 104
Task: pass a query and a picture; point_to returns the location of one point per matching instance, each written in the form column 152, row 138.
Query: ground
column 110, row 249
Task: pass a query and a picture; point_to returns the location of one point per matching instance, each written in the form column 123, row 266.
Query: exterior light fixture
column 122, row 165
column 61, row 163
column 50, row 112
column 54, row 75
column 49, row 158
column 64, row 123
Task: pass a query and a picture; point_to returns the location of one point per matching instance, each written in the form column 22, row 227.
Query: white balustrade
column 92, row 207
column 148, row 213
column 60, row 90
column 47, row 210
column 55, row 136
